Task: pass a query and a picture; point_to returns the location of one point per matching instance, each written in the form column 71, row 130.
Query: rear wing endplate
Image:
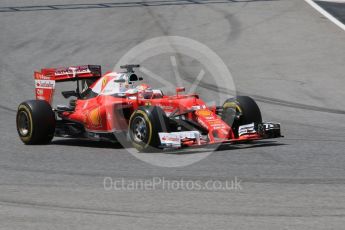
column 46, row 79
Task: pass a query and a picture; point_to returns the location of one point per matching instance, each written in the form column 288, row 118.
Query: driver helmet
column 145, row 91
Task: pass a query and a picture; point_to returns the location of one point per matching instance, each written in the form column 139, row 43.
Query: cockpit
column 124, row 84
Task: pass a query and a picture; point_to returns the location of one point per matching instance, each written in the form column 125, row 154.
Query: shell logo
column 204, row 112
column 95, row 118
column 39, row 91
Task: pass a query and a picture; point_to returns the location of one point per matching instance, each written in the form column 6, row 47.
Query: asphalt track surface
column 284, row 53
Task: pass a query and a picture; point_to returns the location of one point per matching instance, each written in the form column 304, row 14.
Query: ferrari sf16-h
column 117, row 104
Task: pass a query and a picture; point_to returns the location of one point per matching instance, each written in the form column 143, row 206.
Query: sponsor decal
column 44, row 88
column 78, row 70
column 211, row 122
column 174, row 139
column 204, row 112
column 45, row 84
column 215, row 122
column 95, row 118
column 220, row 126
column 104, row 82
column 167, row 138
column 170, row 139
column 39, row 76
column 196, row 107
column 39, row 91
column 208, row 120
column 246, row 129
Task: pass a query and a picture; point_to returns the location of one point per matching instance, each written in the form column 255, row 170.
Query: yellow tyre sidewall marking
column 232, row 105
column 150, row 127
column 27, row 110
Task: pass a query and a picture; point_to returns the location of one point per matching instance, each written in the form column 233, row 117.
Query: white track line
column 336, row 1
column 326, row 14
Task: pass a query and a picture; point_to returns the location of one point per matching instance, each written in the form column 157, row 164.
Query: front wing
column 249, row 132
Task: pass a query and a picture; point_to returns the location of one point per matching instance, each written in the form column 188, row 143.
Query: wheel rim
column 23, row 123
column 139, row 129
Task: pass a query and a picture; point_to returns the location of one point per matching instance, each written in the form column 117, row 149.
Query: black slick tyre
column 35, row 122
column 240, row 110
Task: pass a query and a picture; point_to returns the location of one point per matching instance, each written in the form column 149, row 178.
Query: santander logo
column 46, row 84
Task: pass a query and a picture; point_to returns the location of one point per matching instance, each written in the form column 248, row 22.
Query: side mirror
column 180, row 89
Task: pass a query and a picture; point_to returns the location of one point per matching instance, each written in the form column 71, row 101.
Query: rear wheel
column 240, row 110
column 35, row 122
column 144, row 125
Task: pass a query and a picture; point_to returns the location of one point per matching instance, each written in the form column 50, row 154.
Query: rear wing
column 46, row 79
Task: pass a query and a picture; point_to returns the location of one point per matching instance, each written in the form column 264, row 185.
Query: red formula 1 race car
column 117, row 104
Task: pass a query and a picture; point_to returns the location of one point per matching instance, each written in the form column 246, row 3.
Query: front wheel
column 144, row 125
column 240, row 110
column 35, row 122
